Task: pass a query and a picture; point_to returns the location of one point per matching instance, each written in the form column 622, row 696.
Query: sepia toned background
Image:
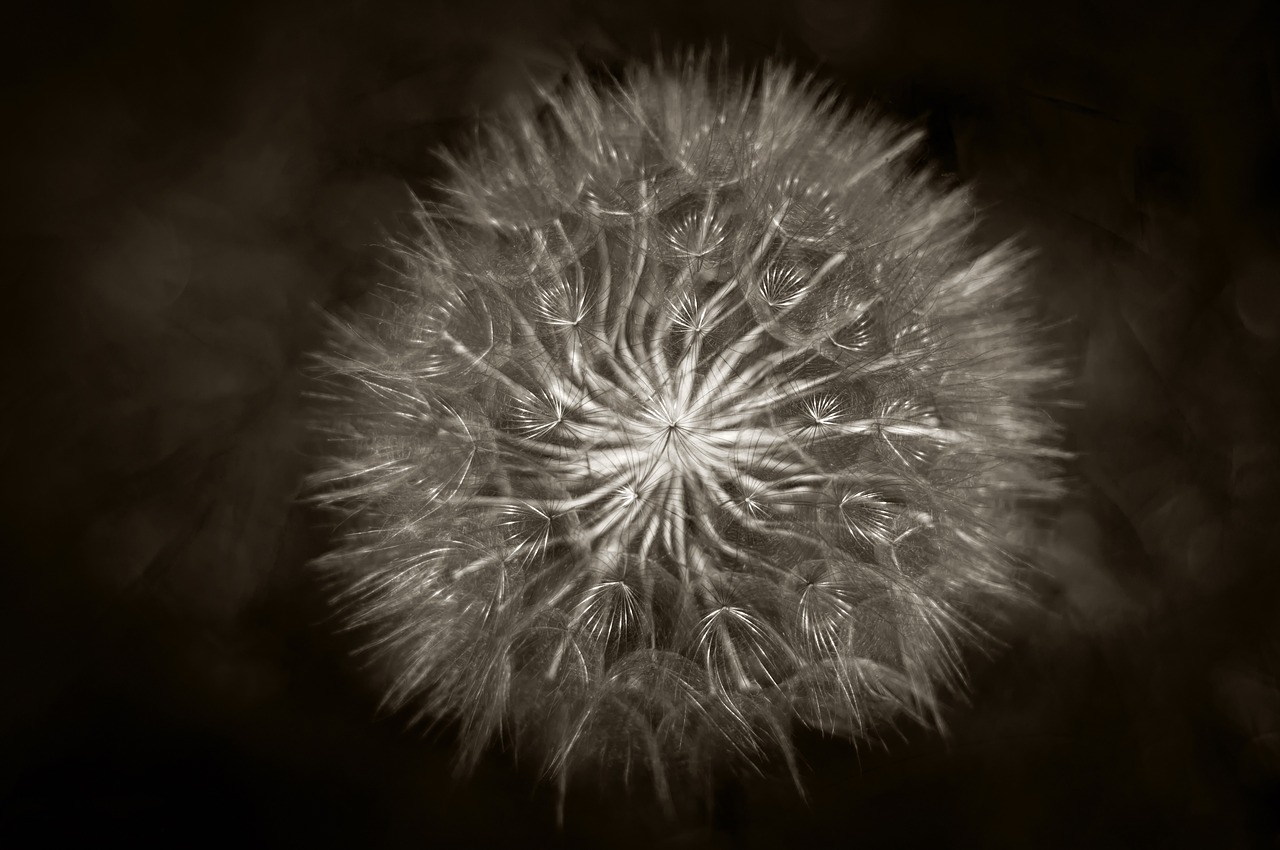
column 187, row 184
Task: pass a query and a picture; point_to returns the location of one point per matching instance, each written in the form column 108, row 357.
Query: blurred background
column 189, row 182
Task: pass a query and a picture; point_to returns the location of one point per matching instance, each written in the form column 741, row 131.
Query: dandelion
column 696, row 414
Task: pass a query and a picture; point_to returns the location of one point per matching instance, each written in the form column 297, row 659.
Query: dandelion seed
column 697, row 414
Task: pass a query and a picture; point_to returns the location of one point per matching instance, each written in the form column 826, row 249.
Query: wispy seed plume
column 696, row 413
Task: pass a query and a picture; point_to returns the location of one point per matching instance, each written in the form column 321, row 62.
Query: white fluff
column 695, row 413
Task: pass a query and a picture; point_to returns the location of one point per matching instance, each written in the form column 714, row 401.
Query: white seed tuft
column 697, row 413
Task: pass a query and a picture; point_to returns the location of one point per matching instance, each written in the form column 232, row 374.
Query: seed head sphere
column 696, row 413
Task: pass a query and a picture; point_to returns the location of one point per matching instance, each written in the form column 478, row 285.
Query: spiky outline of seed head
column 695, row 412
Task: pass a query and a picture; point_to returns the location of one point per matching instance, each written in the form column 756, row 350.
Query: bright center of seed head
column 675, row 437
column 653, row 436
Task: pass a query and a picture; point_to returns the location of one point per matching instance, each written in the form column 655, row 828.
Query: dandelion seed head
column 697, row 414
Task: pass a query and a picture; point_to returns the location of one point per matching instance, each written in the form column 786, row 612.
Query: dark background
column 186, row 182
